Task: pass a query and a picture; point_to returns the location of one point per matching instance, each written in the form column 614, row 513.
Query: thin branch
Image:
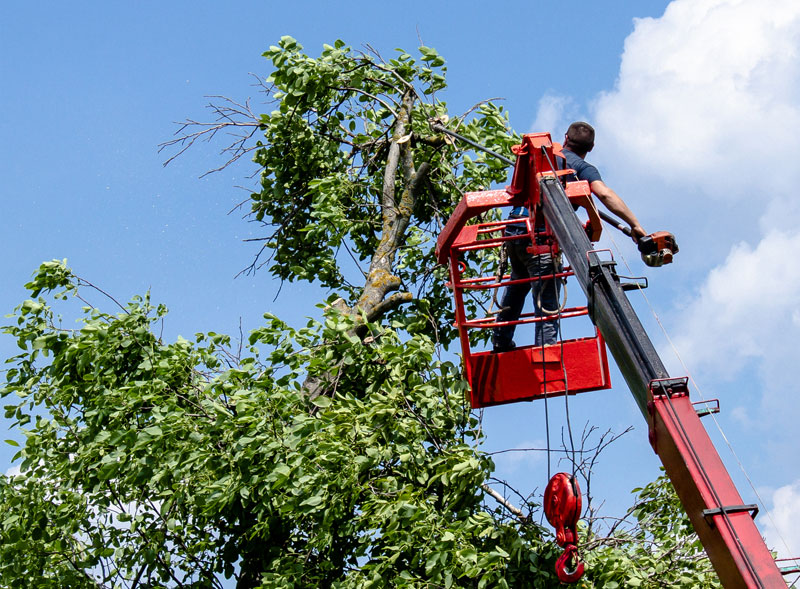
column 408, row 85
column 353, row 257
column 505, row 503
column 474, row 107
column 230, row 115
column 372, row 96
column 84, row 282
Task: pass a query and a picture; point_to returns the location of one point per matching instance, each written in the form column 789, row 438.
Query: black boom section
column 609, row 307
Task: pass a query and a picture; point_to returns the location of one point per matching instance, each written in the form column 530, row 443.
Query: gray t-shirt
column 583, row 170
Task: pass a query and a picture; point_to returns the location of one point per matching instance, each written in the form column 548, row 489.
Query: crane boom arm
column 725, row 526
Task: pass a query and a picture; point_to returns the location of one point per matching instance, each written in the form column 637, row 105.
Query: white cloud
column 705, row 115
column 741, row 415
column 707, row 96
column 704, row 124
column 747, row 307
column 782, row 526
column 554, row 114
column 13, row 471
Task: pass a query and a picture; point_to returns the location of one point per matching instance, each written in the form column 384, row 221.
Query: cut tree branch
column 505, row 503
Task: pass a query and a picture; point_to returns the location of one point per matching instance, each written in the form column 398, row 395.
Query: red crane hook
column 564, row 574
column 562, row 506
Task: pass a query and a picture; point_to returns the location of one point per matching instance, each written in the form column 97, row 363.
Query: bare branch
column 84, row 282
column 229, row 115
column 505, row 503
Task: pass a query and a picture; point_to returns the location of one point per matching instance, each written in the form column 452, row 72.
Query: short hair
column 580, row 138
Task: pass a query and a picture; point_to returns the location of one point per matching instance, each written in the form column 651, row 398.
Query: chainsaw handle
column 615, row 223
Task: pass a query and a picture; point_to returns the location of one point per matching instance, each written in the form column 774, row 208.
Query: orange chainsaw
column 657, row 248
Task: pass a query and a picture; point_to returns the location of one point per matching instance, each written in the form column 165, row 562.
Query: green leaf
column 322, row 402
column 312, row 501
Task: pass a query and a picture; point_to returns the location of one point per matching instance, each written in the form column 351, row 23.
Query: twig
column 505, row 503
column 84, row 282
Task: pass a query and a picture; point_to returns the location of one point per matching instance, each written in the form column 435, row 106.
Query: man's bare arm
column 616, row 205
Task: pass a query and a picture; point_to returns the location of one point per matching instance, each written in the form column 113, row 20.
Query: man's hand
column 637, row 233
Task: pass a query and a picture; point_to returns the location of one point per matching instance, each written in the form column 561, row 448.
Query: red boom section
column 723, row 523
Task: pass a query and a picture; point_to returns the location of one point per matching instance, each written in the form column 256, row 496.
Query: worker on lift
column 578, row 141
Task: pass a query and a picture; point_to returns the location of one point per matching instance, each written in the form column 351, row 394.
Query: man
column 578, row 141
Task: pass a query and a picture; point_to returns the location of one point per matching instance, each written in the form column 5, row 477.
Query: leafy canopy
column 355, row 185
column 179, row 464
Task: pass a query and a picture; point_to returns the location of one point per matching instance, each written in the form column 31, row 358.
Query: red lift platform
column 721, row 519
column 527, row 372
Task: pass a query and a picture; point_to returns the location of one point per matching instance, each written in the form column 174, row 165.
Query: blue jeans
column 545, row 293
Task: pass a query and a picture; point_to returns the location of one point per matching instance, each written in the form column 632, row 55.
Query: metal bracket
column 595, row 263
column 669, row 387
column 727, row 509
column 633, row 285
column 790, row 569
column 708, row 410
column 596, row 266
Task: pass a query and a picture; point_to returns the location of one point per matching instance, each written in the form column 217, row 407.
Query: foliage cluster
column 660, row 548
column 149, row 464
column 351, row 167
column 181, row 464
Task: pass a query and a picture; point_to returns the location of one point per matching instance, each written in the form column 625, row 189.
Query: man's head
column 579, row 138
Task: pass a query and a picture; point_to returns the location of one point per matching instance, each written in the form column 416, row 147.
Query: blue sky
column 695, row 104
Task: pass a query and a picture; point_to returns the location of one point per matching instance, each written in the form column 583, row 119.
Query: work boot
column 500, row 347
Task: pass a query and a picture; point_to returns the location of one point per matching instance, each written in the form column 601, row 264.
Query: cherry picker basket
column 526, row 372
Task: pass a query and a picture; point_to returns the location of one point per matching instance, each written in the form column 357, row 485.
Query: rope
column 546, row 411
column 566, row 402
column 501, row 271
column 544, row 378
column 556, row 263
column 560, row 308
column 566, row 388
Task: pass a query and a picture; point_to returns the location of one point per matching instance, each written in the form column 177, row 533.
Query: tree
column 336, row 455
